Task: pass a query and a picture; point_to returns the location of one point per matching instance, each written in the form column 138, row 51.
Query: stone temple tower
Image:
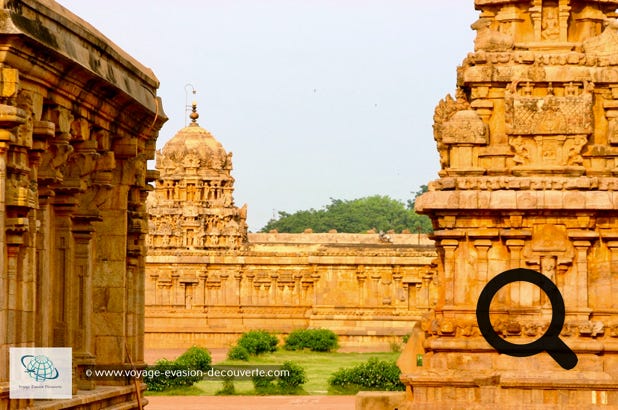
column 192, row 206
column 529, row 162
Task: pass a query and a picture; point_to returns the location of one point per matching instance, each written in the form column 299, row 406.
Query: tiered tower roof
column 192, row 205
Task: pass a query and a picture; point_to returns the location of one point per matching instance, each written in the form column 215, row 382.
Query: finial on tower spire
column 194, row 115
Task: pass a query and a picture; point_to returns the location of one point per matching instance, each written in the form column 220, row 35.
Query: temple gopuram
column 79, row 119
column 192, row 206
column 208, row 280
column 529, row 162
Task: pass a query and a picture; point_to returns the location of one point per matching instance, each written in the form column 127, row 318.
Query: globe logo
column 39, row 367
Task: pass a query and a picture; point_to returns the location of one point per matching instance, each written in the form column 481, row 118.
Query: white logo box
column 40, row 372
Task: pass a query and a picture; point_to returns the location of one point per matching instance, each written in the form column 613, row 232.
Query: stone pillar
column 251, row 299
column 582, row 242
column 612, row 245
column 482, row 247
column 362, row 285
column 515, row 247
column 536, row 17
column 239, row 288
column 298, row 291
column 375, row 289
column 449, row 245
column 81, row 302
column 564, row 12
column 397, row 290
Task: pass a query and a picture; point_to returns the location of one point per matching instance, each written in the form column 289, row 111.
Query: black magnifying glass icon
column 550, row 341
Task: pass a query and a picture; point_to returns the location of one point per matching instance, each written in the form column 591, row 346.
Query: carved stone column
column 298, row 294
column 482, row 246
column 238, row 275
column 582, row 241
column 397, row 290
column 362, row 284
column 612, row 245
column 535, row 16
column 515, row 247
column 450, row 245
column 80, row 288
column 564, row 12
column 250, row 292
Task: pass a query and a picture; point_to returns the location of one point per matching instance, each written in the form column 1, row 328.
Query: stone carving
column 522, row 150
column 573, row 147
column 550, row 114
column 464, row 127
column 550, row 26
column 444, row 111
column 612, row 130
column 548, row 131
column 558, row 150
column 488, row 39
column 191, row 161
column 605, row 44
column 489, row 183
column 54, row 158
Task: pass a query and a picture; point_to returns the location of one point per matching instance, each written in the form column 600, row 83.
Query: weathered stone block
column 378, row 400
column 574, row 200
column 503, row 199
column 598, row 200
column 109, row 349
column 108, row 324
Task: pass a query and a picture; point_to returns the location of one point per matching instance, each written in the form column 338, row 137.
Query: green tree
column 421, row 190
column 353, row 216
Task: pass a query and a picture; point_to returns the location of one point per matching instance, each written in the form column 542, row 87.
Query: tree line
column 377, row 212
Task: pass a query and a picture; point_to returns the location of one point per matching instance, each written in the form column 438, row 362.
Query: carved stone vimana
column 192, row 205
column 529, row 156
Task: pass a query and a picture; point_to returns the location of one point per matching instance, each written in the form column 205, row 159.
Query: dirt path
column 250, row 402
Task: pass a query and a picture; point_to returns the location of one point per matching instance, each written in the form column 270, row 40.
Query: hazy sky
column 317, row 99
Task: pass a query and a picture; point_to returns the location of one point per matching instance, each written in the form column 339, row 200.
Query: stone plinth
column 527, row 180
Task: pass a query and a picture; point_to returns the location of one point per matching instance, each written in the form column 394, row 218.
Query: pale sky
column 317, row 99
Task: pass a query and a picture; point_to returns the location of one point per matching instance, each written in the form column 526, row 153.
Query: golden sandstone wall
column 528, row 180
column 78, row 120
column 368, row 291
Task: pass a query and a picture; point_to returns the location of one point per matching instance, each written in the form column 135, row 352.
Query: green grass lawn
column 318, row 368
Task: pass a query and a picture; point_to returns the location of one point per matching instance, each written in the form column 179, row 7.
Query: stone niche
column 78, row 121
column 528, row 155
